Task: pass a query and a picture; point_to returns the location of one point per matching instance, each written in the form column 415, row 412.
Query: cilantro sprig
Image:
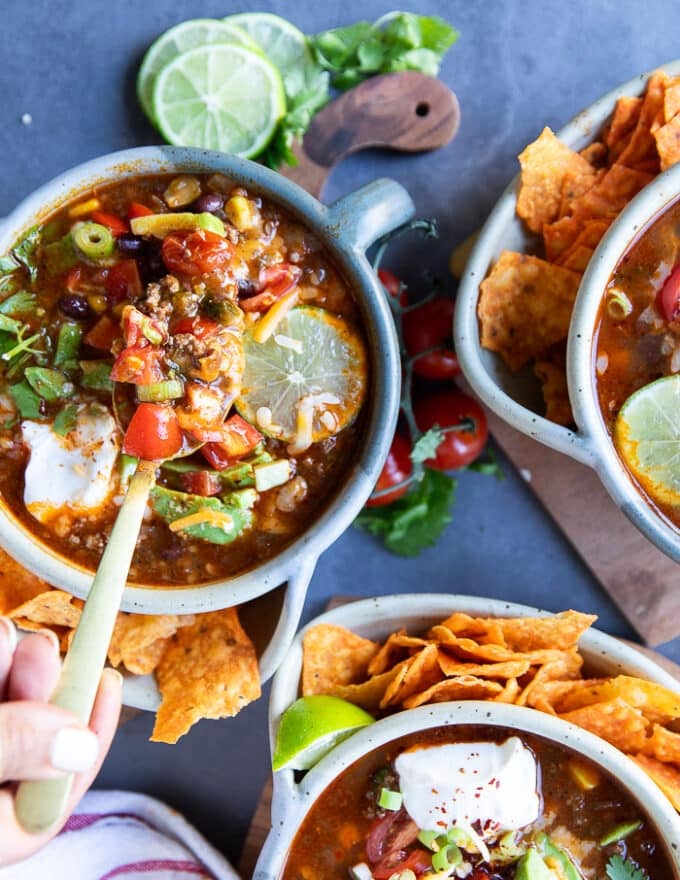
column 619, row 868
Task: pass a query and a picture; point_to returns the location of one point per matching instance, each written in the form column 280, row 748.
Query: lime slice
column 647, row 435
column 312, row 354
column 184, row 36
column 311, row 727
column 282, row 43
column 219, row 97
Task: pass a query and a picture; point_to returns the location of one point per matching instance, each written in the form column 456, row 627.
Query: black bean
column 210, row 202
column 150, row 262
column 130, row 245
column 246, row 287
column 74, row 306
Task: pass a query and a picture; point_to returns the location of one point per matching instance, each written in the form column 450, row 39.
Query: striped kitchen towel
column 119, row 834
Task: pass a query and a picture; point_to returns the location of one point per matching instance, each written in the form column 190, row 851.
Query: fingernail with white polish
column 74, row 750
column 11, row 631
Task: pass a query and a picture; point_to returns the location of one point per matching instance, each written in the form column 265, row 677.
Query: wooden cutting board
column 411, row 112
column 260, row 823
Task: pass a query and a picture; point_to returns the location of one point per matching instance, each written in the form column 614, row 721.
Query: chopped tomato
column 205, row 404
column 216, row 457
column 668, row 299
column 103, row 334
column 139, row 329
column 418, row 860
column 196, row 253
column 201, row 483
column 137, row 209
column 116, row 224
column 274, row 282
column 138, row 365
column 123, row 282
column 153, row 433
column 235, row 437
column 199, row 327
column 258, row 303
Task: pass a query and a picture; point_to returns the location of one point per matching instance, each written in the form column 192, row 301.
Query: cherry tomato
column 116, row 224
column 216, row 457
column 418, row 860
column 428, row 326
column 668, row 298
column 138, row 365
column 137, row 209
column 196, row 253
column 274, row 282
column 235, row 437
column 123, row 282
column 153, row 433
column 397, row 467
column 393, row 285
column 447, row 408
column 198, row 327
column 201, row 483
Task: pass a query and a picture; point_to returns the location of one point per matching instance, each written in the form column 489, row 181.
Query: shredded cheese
column 304, row 426
column 84, row 208
column 267, row 325
column 205, row 515
column 286, row 342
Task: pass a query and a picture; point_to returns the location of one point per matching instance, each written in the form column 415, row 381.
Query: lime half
column 219, row 97
column 182, row 37
column 311, row 727
column 313, row 356
column 647, row 435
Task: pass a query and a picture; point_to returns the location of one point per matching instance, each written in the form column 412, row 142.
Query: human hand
column 40, row 741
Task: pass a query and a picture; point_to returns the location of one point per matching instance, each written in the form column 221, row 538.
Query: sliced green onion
column 170, row 389
column 49, row 384
column 390, row 800
column 447, row 857
column 68, row 346
column 429, row 839
column 619, row 305
column 620, row 832
column 94, row 241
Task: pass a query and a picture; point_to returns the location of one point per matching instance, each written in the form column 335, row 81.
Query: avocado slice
column 532, row 867
column 549, row 850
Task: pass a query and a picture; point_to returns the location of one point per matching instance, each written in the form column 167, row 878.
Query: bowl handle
column 280, row 642
column 370, row 212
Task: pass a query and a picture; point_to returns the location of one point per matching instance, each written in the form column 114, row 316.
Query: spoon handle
column 40, row 805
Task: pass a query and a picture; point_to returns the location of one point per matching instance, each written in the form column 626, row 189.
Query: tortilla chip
column 332, row 655
column 465, row 687
column 416, row 674
column 671, row 99
column 509, row 693
column 546, row 163
column 664, row 745
column 595, row 154
column 134, row 634
column 567, row 665
column 451, row 666
column 549, row 696
column 559, row 236
column 555, row 391
column 611, row 193
column 624, row 119
column 208, row 670
column 668, row 142
column 586, row 241
column 485, row 630
column 558, row 631
column 368, row 694
column 17, row 584
column 614, row 720
column 641, row 145
column 575, row 186
column 525, row 306
column 54, row 607
column 658, row 704
column 469, row 649
column 395, row 648
column 666, row 776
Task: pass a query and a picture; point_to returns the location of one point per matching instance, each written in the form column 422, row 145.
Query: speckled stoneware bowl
column 346, row 229
column 516, row 398
column 375, row 619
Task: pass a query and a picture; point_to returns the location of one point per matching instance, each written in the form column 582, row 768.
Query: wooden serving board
column 260, row 823
column 411, row 112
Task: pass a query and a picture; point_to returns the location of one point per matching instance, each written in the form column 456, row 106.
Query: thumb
column 40, row 741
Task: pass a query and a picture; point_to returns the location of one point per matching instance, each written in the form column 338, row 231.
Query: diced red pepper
column 258, row 303
column 235, row 437
column 123, row 282
column 138, row 365
column 205, row 404
column 104, row 333
column 137, row 209
column 216, row 457
column 116, row 224
column 201, row 483
column 199, row 327
column 153, row 433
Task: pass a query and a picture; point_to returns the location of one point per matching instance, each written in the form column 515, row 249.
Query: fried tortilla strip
column 588, row 238
column 525, row 307
column 451, row 667
column 553, row 381
column 54, row 607
column 332, row 655
column 641, row 146
column 548, row 695
column 417, row 673
column 17, row 584
column 509, row 693
column 624, row 119
column 658, row 704
column 666, row 776
column 208, row 670
column 595, row 154
column 485, row 630
column 546, row 163
column 560, row 236
column 396, row 648
column 558, row 631
column 668, row 142
column 611, row 194
column 465, row 687
column 615, row 721
column 664, row 745
column 671, row 99
column 368, row 694
column 574, row 186
column 134, row 634
column 566, row 666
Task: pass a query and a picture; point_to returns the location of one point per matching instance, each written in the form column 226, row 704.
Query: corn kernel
column 585, row 776
column 97, row 303
column 84, row 208
column 241, row 213
column 182, row 190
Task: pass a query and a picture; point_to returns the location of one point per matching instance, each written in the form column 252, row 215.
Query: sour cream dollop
column 494, row 784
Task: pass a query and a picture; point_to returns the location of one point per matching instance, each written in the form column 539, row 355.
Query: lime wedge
column 184, row 36
column 219, row 97
column 312, row 354
column 282, row 43
column 311, row 727
column 647, row 435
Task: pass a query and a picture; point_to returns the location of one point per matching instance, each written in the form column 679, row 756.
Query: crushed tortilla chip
column 135, row 634
column 668, row 142
column 666, row 776
column 417, row 673
column 659, row 704
column 623, row 122
column 595, row 153
column 663, row 744
column 461, row 688
column 641, row 147
column 525, row 306
column 561, row 631
column 615, row 721
column 546, row 163
column 395, row 648
column 368, row 694
column 208, row 670
column 52, row 607
column 333, row 656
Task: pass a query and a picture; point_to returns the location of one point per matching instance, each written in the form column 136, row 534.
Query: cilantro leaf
column 416, row 520
column 27, row 401
column 65, row 420
column 426, row 445
column 624, row 869
column 489, row 465
column 18, row 303
column 8, row 265
column 26, row 252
